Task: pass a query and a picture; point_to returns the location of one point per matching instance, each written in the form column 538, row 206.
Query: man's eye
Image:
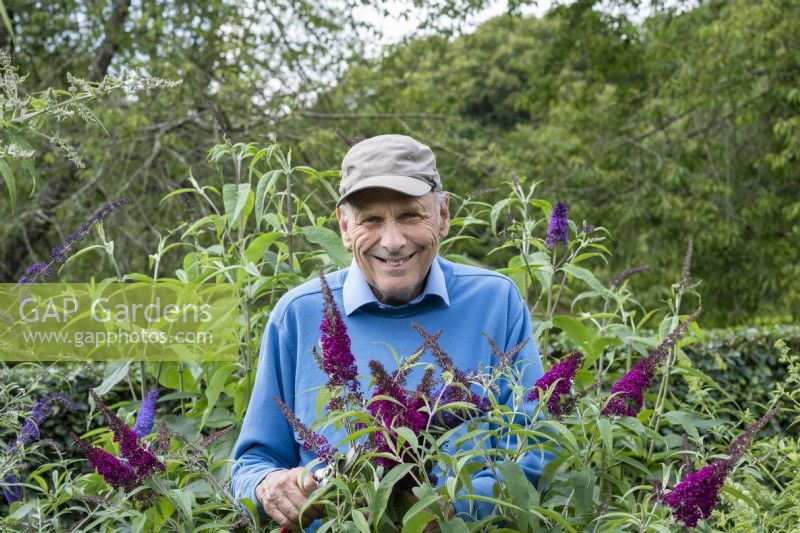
column 412, row 216
column 371, row 220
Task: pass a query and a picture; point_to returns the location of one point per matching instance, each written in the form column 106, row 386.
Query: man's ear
column 444, row 216
column 344, row 228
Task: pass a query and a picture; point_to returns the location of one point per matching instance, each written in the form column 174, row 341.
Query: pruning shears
column 342, row 465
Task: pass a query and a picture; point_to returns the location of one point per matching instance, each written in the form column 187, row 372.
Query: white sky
column 394, row 27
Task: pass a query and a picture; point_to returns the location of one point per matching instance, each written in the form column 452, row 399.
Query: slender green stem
column 34, row 114
column 664, row 388
column 180, row 384
column 143, row 379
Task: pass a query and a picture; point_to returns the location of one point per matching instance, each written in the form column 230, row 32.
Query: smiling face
column 394, row 238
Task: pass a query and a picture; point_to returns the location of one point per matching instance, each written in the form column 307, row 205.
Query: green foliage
column 745, row 364
column 684, row 126
column 268, row 226
column 681, row 127
column 27, row 118
column 243, row 69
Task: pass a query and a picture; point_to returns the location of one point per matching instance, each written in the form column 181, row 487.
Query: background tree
column 244, row 67
column 684, row 126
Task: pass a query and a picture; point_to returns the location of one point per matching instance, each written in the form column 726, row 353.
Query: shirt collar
column 356, row 292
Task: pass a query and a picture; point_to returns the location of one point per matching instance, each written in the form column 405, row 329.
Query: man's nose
column 392, row 239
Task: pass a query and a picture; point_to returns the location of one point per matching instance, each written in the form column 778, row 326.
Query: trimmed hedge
column 743, row 361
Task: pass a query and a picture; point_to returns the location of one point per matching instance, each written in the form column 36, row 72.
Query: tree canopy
column 682, row 127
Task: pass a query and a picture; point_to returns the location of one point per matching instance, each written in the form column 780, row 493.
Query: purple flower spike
column 338, row 361
column 404, row 411
column 558, row 226
column 312, row 441
column 628, row 393
column 141, row 459
column 59, row 254
column 385, row 385
column 146, row 415
column 562, row 374
column 144, row 462
column 137, row 461
column 12, row 492
column 694, row 498
column 39, row 412
column 115, row 472
column 482, row 404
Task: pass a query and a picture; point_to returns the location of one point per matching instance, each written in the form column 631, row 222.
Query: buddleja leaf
column 330, row 242
column 522, row 493
column 381, row 500
column 11, row 183
column 235, row 197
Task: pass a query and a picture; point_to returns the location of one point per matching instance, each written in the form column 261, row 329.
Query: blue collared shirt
column 463, row 301
column 356, row 292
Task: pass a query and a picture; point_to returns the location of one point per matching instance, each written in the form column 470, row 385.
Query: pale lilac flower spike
column 312, row 441
column 146, row 415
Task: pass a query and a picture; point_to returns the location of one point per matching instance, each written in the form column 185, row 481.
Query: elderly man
column 392, row 215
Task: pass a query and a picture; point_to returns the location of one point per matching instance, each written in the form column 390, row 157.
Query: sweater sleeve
column 533, row 461
column 266, row 442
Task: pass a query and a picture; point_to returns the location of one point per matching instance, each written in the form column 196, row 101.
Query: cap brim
column 403, row 184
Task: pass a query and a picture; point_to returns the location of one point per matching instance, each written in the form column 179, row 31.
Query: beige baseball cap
column 395, row 162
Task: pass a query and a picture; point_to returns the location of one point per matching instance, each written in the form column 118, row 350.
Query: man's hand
column 282, row 496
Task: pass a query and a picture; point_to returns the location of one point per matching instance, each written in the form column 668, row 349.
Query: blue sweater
column 460, row 300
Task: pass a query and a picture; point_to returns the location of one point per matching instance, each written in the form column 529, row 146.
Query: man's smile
column 395, row 262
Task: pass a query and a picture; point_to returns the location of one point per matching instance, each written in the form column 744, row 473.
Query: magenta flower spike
column 337, row 359
column 405, row 411
column 695, row 497
column 385, row 385
column 312, row 441
column 628, row 392
column 115, row 472
column 562, row 374
column 141, row 459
